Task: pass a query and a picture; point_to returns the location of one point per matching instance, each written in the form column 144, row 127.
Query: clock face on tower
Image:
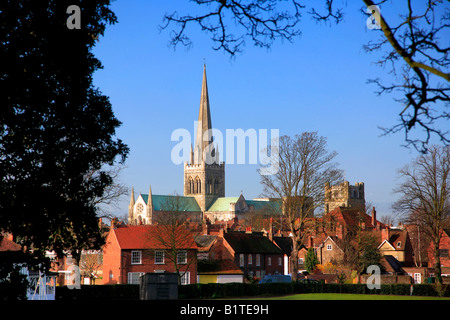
column 139, row 208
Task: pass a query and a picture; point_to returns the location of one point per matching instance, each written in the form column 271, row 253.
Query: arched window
column 216, row 186
column 197, row 185
column 190, row 185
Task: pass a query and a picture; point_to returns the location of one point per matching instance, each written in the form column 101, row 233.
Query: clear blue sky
column 318, row 83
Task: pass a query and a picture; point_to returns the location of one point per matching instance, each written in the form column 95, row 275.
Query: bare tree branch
column 261, row 21
column 425, row 195
column 305, row 166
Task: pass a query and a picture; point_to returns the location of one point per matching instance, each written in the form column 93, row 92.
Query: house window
column 269, row 261
column 329, row 247
column 300, row 260
column 241, row 260
column 136, row 257
column 280, row 261
column 258, row 260
column 159, row 257
column 185, row 278
column 417, row 278
column 182, row 257
column 250, row 259
column 443, row 253
column 134, row 277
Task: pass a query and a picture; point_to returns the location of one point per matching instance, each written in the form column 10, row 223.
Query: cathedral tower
column 204, row 174
column 345, row 195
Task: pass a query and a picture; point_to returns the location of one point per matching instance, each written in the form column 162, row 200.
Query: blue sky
column 318, row 83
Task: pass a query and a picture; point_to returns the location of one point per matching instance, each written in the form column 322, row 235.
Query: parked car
column 308, row 281
column 276, row 278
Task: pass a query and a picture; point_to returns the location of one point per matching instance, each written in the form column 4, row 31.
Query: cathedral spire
column 204, row 122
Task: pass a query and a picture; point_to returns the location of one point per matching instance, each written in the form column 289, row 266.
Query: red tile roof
column 8, row 245
column 352, row 217
column 154, row 237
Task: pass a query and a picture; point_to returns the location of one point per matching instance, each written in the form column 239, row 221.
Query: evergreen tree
column 369, row 253
column 55, row 127
column 311, row 260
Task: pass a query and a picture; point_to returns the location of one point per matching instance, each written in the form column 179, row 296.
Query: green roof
column 268, row 207
column 261, row 206
column 222, row 204
column 172, row 203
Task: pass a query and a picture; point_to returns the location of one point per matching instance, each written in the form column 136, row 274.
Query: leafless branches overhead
column 261, row 21
column 420, row 39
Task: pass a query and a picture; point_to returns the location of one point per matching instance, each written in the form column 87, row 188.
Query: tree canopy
column 56, row 128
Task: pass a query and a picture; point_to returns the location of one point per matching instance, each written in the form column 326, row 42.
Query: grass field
column 344, row 296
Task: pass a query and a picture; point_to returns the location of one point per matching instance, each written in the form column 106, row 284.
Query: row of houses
column 219, row 257
column 224, row 252
column 228, row 252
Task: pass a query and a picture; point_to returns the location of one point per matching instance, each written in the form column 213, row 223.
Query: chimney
column 385, row 234
column 248, row 229
column 114, row 223
column 271, row 229
column 311, row 242
column 374, row 217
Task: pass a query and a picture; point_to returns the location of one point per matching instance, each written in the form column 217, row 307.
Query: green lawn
column 345, row 296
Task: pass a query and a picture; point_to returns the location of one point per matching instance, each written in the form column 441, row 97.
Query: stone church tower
column 345, row 195
column 204, row 174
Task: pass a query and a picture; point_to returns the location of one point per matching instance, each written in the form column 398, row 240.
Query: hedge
column 98, row 292
column 215, row 290
column 228, row 290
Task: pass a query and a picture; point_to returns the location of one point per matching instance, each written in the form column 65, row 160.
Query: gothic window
column 190, row 186
column 209, row 186
column 139, row 208
column 216, row 186
column 197, row 185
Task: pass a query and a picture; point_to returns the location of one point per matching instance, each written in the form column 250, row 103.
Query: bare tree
column 416, row 46
column 425, row 196
column 113, row 192
column 387, row 220
column 173, row 235
column 305, row 166
column 418, row 40
column 262, row 21
column 91, row 263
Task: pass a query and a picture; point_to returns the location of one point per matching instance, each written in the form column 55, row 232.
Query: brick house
column 131, row 251
column 254, row 253
column 396, row 242
column 251, row 252
column 213, row 265
column 444, row 255
column 444, row 248
column 330, row 250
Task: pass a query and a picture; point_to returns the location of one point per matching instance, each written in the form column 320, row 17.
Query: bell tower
column 204, row 174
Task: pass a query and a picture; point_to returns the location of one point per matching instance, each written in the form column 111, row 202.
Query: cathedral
column 204, row 185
